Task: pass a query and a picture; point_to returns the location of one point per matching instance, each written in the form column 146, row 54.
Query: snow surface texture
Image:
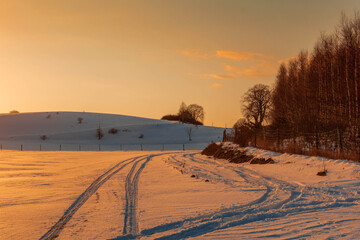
column 64, row 128
column 175, row 195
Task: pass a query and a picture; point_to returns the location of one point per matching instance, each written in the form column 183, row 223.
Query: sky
column 143, row 58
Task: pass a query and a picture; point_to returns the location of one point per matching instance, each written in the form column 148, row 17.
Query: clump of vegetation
column 14, row 112
column 43, row 137
column 80, row 119
column 211, row 149
column 113, row 131
column 322, row 173
column 141, row 136
column 262, row 161
column 48, row 116
column 193, row 114
column 233, row 155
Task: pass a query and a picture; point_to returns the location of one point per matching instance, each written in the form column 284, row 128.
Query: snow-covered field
column 175, row 195
column 73, row 131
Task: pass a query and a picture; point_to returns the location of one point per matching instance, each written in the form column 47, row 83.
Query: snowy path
column 56, row 229
column 280, row 199
column 131, row 188
column 263, row 201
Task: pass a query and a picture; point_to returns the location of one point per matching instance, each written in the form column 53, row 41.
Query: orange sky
column 144, row 58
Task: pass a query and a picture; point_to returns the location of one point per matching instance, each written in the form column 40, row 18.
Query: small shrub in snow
column 322, row 173
column 211, row 149
column 80, row 119
column 262, row 161
column 48, row 116
column 43, row 137
column 141, row 136
column 113, row 131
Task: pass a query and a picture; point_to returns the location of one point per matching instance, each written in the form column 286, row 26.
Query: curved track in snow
column 277, row 199
column 59, row 225
column 131, row 188
column 131, row 195
column 280, row 198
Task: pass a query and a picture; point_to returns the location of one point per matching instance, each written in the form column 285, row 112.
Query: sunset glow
column 143, row 58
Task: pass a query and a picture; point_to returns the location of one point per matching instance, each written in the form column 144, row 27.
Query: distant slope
column 63, row 128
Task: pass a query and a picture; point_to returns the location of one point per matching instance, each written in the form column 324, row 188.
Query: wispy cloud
column 243, row 56
column 216, row 85
column 193, row 53
column 213, row 75
column 254, row 71
column 253, row 65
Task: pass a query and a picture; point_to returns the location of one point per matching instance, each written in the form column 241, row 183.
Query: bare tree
column 196, row 112
column 183, row 113
column 99, row 133
column 256, row 104
column 189, row 132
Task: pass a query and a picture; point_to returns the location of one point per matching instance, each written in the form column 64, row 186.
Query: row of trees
column 316, row 96
column 320, row 91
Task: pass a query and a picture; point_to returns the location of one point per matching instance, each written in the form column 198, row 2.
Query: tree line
column 316, row 97
column 320, row 91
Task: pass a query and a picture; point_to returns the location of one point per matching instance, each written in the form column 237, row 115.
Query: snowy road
column 177, row 195
column 56, row 229
column 279, row 199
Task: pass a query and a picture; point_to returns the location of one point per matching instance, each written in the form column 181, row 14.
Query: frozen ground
column 65, row 128
column 175, row 195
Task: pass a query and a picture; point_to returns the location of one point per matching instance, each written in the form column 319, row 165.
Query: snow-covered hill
column 65, row 128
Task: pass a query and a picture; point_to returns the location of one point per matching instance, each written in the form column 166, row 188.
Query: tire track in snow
column 131, row 197
column 131, row 229
column 55, row 230
column 270, row 205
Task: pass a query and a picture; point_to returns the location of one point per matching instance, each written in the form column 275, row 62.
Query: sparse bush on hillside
column 43, row 137
column 113, row 131
column 141, row 136
column 80, row 119
column 14, row 112
column 48, row 116
column 171, row 117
